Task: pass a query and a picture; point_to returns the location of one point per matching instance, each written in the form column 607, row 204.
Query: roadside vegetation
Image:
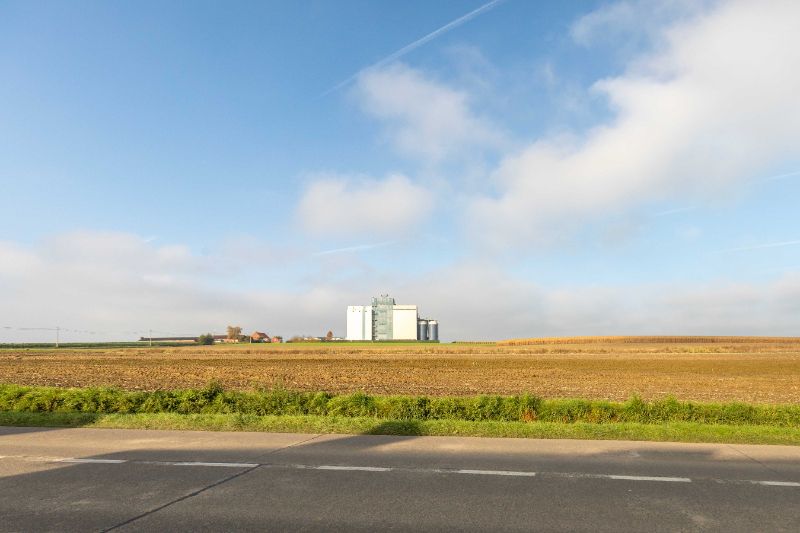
column 284, row 410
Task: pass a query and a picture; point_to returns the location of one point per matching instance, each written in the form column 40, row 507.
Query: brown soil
column 758, row 370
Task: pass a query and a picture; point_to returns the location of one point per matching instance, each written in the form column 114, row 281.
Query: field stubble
column 759, row 370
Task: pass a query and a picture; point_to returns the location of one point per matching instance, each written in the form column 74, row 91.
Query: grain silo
column 422, row 329
column 433, row 330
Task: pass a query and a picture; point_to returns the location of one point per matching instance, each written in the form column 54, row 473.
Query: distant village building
column 258, row 336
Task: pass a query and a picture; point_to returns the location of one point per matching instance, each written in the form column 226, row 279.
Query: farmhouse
column 258, row 336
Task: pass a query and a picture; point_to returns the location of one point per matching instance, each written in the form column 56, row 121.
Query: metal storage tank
column 422, row 329
column 433, row 330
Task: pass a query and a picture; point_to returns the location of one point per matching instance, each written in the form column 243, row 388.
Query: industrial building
column 386, row 320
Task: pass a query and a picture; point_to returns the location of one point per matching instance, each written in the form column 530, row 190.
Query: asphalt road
column 131, row 480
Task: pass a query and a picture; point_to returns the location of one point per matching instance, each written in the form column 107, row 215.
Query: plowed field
column 756, row 370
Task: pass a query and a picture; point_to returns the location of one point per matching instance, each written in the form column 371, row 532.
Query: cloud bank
column 135, row 285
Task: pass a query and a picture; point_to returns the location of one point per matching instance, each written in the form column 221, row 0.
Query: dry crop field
column 762, row 370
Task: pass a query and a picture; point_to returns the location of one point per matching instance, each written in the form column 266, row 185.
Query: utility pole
column 151, row 337
column 58, row 330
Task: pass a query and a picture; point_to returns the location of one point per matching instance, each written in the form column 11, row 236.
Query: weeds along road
column 134, row 480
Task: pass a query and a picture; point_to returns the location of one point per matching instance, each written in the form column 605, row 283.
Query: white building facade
column 359, row 322
column 404, row 322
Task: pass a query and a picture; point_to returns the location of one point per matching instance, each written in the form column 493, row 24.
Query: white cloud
column 359, row 206
column 424, row 118
column 716, row 105
column 632, row 21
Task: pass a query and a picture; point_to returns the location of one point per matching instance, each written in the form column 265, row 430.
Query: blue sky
column 533, row 169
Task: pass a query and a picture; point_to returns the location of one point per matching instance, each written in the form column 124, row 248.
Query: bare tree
column 234, row 332
column 329, row 336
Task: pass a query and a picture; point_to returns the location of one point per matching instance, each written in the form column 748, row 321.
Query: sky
column 514, row 168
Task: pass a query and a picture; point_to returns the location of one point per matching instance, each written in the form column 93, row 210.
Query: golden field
column 748, row 369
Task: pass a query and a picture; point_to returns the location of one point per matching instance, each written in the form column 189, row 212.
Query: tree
column 206, row 339
column 329, row 336
column 234, row 333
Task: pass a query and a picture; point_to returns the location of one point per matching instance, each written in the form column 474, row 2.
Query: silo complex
column 385, row 320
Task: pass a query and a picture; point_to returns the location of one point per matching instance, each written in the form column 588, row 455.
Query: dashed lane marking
column 649, row 478
column 227, row 465
column 778, row 483
column 98, row 461
column 496, row 473
column 353, row 468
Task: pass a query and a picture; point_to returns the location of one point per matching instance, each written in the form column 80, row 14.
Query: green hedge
column 525, row 408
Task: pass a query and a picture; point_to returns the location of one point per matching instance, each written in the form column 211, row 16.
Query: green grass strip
column 520, row 408
column 669, row 432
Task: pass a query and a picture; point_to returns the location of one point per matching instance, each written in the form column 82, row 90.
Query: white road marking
column 572, row 475
column 356, row 468
column 98, row 461
column 778, row 483
column 649, row 478
column 496, row 473
column 229, row 465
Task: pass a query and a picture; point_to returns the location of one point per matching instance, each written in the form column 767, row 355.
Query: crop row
column 646, row 340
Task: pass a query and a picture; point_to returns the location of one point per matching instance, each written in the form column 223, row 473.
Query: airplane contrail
column 759, row 246
column 759, row 180
column 781, row 176
column 359, row 248
column 416, row 44
column 674, row 211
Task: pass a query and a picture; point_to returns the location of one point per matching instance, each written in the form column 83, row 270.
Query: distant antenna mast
column 58, row 330
column 151, row 337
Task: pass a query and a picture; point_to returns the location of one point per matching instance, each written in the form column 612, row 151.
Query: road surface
column 131, row 480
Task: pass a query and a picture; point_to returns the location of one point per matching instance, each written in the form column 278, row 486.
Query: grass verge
column 279, row 410
column 667, row 432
